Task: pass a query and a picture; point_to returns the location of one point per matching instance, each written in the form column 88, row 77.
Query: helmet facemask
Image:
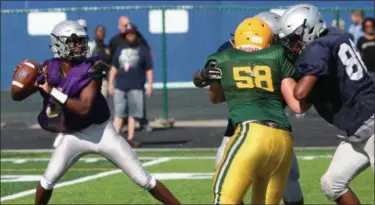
column 72, row 47
column 294, row 41
column 300, row 25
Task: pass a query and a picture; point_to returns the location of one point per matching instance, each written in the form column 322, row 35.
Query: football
column 24, row 77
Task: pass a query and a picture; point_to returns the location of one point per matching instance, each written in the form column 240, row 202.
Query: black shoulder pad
column 98, row 70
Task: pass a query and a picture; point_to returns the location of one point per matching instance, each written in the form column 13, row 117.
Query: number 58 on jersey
column 256, row 77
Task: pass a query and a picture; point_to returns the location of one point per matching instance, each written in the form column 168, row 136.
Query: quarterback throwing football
column 74, row 106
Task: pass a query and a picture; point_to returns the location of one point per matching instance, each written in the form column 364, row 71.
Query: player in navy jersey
column 74, row 107
column 293, row 191
column 335, row 80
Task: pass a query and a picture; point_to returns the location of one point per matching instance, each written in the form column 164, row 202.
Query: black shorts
column 230, row 129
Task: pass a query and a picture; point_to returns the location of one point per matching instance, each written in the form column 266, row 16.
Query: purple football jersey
column 55, row 118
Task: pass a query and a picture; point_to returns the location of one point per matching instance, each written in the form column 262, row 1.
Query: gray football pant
column 100, row 139
column 349, row 160
column 293, row 191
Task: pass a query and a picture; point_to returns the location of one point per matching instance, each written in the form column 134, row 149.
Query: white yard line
column 83, row 179
column 95, row 159
column 156, row 149
column 178, row 123
column 84, row 159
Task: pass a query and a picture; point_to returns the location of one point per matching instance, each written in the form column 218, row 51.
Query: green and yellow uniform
column 256, row 154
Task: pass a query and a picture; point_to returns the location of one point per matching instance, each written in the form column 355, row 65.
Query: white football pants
column 100, row 139
column 349, row 160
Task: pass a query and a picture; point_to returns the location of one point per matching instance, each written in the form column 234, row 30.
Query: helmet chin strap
column 231, row 42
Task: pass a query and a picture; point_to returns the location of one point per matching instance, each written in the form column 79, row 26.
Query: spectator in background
column 119, row 40
column 355, row 28
column 341, row 26
column 99, row 48
column 131, row 66
column 366, row 44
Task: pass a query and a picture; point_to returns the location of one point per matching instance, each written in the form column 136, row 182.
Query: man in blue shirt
column 118, row 40
column 131, row 66
column 355, row 29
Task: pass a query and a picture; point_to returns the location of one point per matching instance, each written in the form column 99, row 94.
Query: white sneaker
column 147, row 128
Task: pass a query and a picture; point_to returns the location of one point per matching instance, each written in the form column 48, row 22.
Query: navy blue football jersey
column 225, row 45
column 344, row 93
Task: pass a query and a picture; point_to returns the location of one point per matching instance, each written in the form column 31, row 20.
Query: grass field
column 188, row 174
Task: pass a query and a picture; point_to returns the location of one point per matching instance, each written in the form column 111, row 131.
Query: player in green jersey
column 257, row 82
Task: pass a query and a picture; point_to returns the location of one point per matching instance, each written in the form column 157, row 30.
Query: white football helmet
column 302, row 23
column 83, row 23
column 271, row 19
column 69, row 40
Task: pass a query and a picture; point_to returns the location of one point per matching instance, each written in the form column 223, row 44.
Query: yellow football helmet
column 253, row 34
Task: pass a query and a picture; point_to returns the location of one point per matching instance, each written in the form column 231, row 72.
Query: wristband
column 59, row 96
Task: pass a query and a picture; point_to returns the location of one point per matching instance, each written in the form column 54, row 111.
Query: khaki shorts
column 129, row 103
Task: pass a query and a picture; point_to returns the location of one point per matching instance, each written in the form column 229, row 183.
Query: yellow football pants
column 258, row 155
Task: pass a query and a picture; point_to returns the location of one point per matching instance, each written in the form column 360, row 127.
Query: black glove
column 98, row 70
column 211, row 72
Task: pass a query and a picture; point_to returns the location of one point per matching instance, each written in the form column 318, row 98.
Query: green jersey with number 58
column 252, row 83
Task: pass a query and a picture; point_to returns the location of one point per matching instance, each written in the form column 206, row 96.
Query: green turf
column 80, row 169
column 164, row 153
column 118, row 189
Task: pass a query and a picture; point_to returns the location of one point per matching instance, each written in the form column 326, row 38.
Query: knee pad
column 46, row 184
column 332, row 187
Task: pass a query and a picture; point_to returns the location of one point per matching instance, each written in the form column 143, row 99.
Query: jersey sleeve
column 314, row 60
column 40, row 77
column 287, row 67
